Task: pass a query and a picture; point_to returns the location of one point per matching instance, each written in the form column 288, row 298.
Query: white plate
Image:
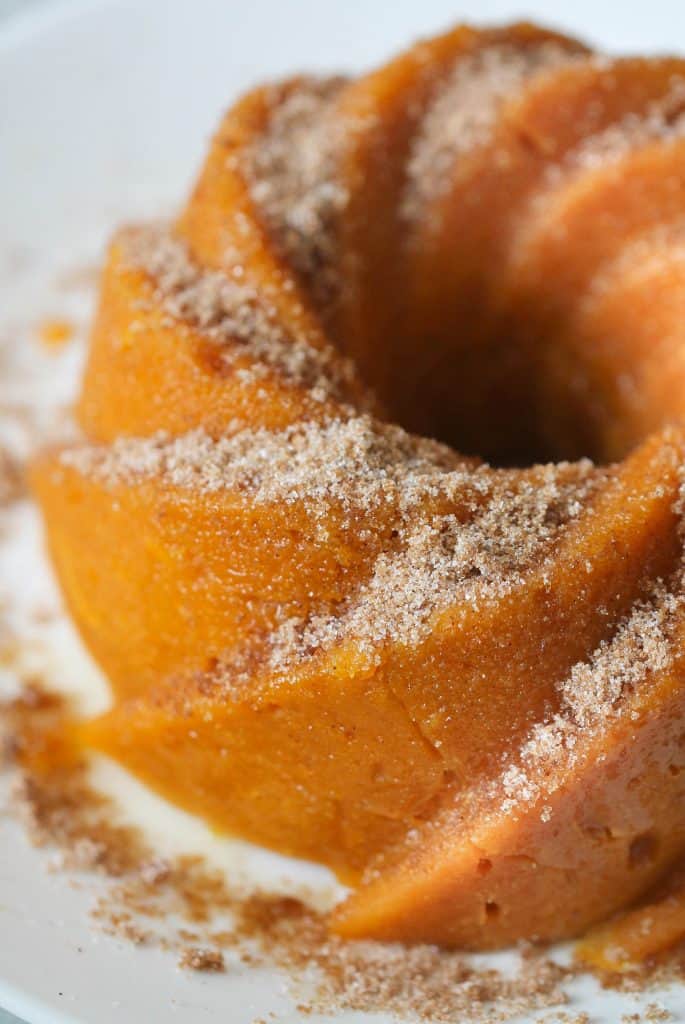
column 104, row 112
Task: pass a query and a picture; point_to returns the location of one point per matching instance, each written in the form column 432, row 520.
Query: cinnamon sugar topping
column 595, row 692
column 465, row 112
column 664, row 120
column 356, row 462
column 233, row 315
column 481, row 553
column 294, row 183
column 485, row 530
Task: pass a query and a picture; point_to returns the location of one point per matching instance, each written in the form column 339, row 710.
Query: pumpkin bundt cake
column 459, row 683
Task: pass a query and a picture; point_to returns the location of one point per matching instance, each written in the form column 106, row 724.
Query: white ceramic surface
column 105, row 108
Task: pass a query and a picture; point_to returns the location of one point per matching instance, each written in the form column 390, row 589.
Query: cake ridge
column 657, row 124
column 465, row 110
column 478, row 559
column 618, row 142
column 357, row 460
column 229, row 309
column 291, row 171
column 594, row 692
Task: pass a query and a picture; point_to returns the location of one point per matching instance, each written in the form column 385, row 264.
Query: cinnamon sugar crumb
column 652, row 1014
column 655, row 1014
column 146, row 898
column 56, row 332
column 175, row 905
column 12, row 485
column 568, row 1018
column 197, row 959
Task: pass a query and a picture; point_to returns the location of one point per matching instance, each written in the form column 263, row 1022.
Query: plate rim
column 30, row 1009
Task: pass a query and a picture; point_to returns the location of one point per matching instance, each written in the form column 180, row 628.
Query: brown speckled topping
column 294, row 182
column 663, row 120
column 232, row 314
column 355, row 461
column 465, row 112
column 195, row 958
column 480, row 554
column 486, row 529
column 595, row 691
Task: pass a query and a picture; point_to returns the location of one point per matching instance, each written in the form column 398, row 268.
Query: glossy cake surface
column 450, row 669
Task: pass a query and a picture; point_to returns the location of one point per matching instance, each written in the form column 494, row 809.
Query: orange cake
column 375, row 524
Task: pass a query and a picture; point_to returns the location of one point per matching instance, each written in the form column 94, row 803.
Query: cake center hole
column 493, row 398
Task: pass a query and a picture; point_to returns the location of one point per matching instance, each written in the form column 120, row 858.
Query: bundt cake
column 457, row 679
